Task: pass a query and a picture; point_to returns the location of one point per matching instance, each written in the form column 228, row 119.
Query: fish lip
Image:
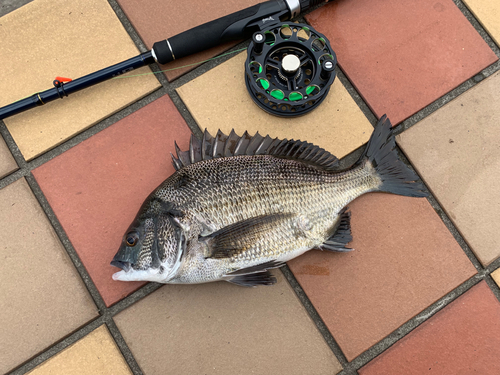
column 119, row 276
column 125, row 266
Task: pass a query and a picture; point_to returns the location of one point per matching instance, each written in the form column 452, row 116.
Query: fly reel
column 289, row 69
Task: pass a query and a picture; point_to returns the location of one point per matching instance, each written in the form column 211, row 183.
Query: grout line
column 133, row 298
column 122, row 345
column 493, row 286
column 356, row 96
column 70, row 250
column 13, row 177
column 315, row 317
column 477, row 25
column 444, row 217
column 456, row 234
column 12, row 145
column 127, row 25
column 168, row 88
column 446, row 98
column 206, row 66
column 186, row 115
column 401, row 332
column 58, row 347
column 348, row 371
column 27, row 166
column 465, row 86
column 493, row 265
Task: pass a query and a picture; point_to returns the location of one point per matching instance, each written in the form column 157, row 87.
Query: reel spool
column 289, row 69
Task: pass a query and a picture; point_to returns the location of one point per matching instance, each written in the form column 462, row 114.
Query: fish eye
column 131, row 239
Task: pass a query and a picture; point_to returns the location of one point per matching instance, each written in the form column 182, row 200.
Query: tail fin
column 381, row 152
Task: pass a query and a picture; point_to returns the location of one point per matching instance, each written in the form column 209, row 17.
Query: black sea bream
column 239, row 206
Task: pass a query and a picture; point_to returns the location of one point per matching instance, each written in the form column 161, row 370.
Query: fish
column 238, row 206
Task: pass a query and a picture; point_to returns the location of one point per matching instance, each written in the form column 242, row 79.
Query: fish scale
column 238, row 206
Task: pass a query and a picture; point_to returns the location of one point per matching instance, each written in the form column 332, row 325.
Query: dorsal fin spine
column 228, row 146
column 175, row 162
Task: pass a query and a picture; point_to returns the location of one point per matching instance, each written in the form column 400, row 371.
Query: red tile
column 404, row 260
column 97, row 187
column 402, row 55
column 463, row 338
column 158, row 20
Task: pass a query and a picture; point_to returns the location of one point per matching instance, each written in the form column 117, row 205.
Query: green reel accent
column 253, row 63
column 278, row 94
column 294, row 96
column 313, row 90
column 264, row 83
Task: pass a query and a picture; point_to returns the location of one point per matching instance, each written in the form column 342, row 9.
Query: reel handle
column 238, row 25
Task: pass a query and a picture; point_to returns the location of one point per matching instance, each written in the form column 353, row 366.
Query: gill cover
column 160, row 244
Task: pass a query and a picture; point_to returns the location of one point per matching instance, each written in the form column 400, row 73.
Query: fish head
column 152, row 247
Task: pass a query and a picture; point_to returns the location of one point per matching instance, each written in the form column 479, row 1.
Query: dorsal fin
column 194, row 150
column 233, row 145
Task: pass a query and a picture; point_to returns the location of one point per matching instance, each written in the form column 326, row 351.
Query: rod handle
column 238, row 25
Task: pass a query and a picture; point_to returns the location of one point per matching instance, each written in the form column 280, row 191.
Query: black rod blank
column 64, row 89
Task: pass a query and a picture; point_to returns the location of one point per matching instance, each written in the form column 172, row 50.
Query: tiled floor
column 420, row 293
column 96, row 353
column 157, row 20
column 402, row 56
column 46, row 53
column 456, row 151
column 463, row 338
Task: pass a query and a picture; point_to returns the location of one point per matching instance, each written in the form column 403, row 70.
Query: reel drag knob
column 258, row 40
column 327, row 67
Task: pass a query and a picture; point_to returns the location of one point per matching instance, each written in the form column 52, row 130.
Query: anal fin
column 342, row 236
column 253, row 279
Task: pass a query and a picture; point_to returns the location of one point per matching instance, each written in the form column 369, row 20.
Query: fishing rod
column 257, row 20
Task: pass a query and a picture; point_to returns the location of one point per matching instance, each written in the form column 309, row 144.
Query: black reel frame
column 297, row 90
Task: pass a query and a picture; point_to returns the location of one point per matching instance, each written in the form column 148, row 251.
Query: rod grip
column 204, row 36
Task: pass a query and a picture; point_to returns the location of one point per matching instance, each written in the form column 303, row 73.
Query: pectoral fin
column 256, row 269
column 254, row 279
column 255, row 275
column 240, row 237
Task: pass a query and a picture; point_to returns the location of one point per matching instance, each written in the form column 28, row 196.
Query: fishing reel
column 289, row 69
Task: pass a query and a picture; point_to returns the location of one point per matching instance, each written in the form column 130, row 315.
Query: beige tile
column 43, row 298
column 488, row 14
column 219, row 100
column 456, row 152
column 69, row 38
column 7, row 162
column 95, row 354
column 496, row 276
column 219, row 328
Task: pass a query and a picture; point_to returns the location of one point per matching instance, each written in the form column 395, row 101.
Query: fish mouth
column 126, row 266
column 125, row 258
